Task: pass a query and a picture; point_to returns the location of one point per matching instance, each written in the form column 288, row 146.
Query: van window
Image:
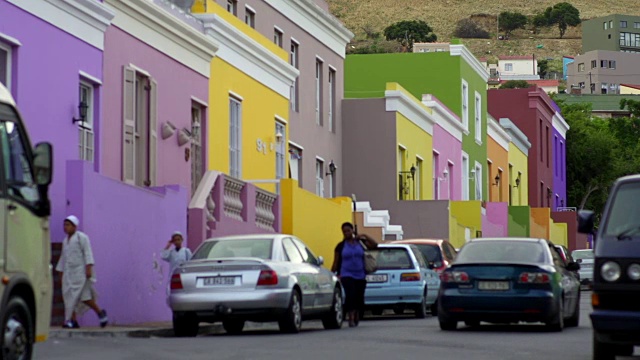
column 623, row 215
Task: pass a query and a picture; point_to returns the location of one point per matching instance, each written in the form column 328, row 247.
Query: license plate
column 493, row 285
column 376, row 278
column 219, row 281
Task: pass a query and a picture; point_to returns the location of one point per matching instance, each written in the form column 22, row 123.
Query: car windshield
column 582, row 254
column 430, row 252
column 623, row 213
column 213, row 249
column 393, row 259
column 502, row 251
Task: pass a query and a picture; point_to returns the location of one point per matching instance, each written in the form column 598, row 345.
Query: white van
column 26, row 283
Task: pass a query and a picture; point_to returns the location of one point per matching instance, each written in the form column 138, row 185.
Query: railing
column 265, row 218
column 232, row 198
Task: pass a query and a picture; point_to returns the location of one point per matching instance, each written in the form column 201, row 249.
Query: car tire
column 557, row 324
column 605, row 351
column 333, row 319
column 434, row 309
column 291, row 322
column 233, row 327
column 574, row 320
column 421, row 309
column 185, row 325
column 18, row 337
column 446, row 324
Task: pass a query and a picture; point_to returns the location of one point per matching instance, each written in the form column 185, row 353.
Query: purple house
column 560, row 128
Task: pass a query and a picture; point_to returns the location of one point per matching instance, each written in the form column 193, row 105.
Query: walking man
column 76, row 266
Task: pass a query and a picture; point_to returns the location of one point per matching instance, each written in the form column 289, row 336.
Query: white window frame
column 418, row 178
column 332, row 100
column 465, row 104
column 281, row 153
column 85, row 128
column 250, row 16
column 232, row 7
column 278, row 36
column 294, row 60
column 235, row 132
column 478, row 117
column 465, row 176
column 435, row 160
column 508, row 67
column 197, row 145
column 319, row 177
column 9, row 68
column 319, row 64
column 478, row 181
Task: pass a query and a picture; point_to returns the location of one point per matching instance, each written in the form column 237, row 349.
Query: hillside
column 362, row 16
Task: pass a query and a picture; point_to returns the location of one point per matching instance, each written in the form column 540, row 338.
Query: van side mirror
column 586, row 221
column 43, row 164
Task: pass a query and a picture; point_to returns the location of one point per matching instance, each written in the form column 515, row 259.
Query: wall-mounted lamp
column 332, row 168
column 497, row 180
column 518, row 182
column 168, row 129
column 445, row 173
column 473, row 174
column 184, row 136
column 82, row 110
column 279, row 137
column 549, row 192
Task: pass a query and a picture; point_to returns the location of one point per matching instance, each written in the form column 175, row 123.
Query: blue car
column 509, row 280
column 403, row 280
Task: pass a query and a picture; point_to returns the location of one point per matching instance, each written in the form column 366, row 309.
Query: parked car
column 567, row 258
column 509, row 280
column 260, row 278
column 585, row 259
column 403, row 280
column 616, row 273
column 438, row 253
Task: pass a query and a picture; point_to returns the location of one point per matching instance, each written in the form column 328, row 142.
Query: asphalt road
column 387, row 337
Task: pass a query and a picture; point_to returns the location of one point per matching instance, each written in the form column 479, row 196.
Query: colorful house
column 495, row 218
column 518, row 154
column 560, row 128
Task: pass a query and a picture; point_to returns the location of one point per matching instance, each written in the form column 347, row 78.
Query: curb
column 133, row 333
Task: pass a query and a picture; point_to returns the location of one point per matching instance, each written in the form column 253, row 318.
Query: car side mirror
column 320, row 261
column 586, row 221
column 579, row 261
column 430, row 265
column 573, row 266
column 43, row 163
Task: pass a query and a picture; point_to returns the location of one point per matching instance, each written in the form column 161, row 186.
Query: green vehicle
column 26, row 282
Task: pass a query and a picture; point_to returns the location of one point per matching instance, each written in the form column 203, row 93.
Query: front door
column 197, row 141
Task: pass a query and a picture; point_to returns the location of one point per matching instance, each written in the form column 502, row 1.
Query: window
column 511, row 184
column 139, row 123
column 581, row 67
column 610, row 24
column 307, row 255
column 465, row 104
column 636, row 25
column 629, row 39
column 605, row 25
column 235, row 138
column 435, row 166
column 557, row 165
column 500, row 176
column 332, row 100
column 478, row 114
column 292, row 252
column 320, row 177
column 280, row 151
column 450, row 178
column 250, row 17
column 232, row 7
column 318, row 92
column 277, row 36
column 401, row 163
column 418, row 179
column 478, row 181
column 197, row 148
column 85, row 128
column 603, row 87
column 508, row 67
column 295, row 164
column 17, row 169
column 623, row 24
column 541, row 194
column 603, row 64
column 594, row 64
column 5, row 65
column 546, row 144
column 562, row 160
column 465, row 177
column 294, row 61
column 541, row 143
column 612, row 64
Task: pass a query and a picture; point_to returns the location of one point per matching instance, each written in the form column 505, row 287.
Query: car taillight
column 176, row 282
column 268, row 277
column 410, row 277
column 534, row 278
column 454, row 277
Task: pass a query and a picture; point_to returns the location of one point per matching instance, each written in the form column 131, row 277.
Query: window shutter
column 128, row 125
column 153, row 133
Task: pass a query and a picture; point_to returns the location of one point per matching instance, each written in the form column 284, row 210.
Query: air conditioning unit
column 183, row 4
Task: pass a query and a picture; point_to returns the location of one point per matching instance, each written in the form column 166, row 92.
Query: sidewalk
column 147, row 330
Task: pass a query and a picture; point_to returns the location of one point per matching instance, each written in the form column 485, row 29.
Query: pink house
column 447, row 150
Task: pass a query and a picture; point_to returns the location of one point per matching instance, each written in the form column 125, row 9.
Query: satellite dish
column 183, row 4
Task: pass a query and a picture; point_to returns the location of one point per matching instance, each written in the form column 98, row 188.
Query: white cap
column 177, row 233
column 73, row 219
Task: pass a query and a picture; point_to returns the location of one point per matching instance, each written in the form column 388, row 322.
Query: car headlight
column 634, row 272
column 610, row 271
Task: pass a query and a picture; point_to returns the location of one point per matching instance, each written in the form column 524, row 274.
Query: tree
column 515, row 84
column 409, row 31
column 564, row 15
column 544, row 68
column 509, row 21
column 632, row 105
column 539, row 21
column 469, row 29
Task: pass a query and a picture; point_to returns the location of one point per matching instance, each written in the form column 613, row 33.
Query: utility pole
column 498, row 26
column 590, row 84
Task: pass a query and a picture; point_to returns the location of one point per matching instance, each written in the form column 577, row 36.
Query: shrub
column 467, row 28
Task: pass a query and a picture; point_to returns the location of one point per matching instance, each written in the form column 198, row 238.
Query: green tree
column 539, row 21
column 564, row 15
column 631, row 105
column 469, row 29
column 515, row 84
column 509, row 21
column 544, row 68
column 409, row 31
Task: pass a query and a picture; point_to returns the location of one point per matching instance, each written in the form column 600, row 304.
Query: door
column 321, row 276
column 430, row 276
column 569, row 284
column 303, row 272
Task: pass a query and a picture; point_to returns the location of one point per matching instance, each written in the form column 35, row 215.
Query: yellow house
column 518, row 171
column 414, row 137
column 248, row 100
column 497, row 161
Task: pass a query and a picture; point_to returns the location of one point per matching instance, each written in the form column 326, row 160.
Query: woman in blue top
column 349, row 265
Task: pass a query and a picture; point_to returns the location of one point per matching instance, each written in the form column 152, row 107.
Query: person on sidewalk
column 76, row 267
column 178, row 255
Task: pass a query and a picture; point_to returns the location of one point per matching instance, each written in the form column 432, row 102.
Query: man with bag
column 352, row 263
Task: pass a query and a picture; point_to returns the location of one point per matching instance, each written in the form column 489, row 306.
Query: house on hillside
column 620, row 33
column 602, row 71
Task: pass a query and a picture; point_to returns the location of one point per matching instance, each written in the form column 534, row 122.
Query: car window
column 307, row 255
column 502, row 251
column 431, row 252
column 582, row 254
column 393, row 258
column 450, row 251
column 292, row 252
column 557, row 258
column 418, row 254
column 624, row 210
column 237, row 248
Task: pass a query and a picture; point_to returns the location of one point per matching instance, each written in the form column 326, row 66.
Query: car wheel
column 421, row 309
column 291, row 322
column 557, row 324
column 334, row 318
column 574, row 320
column 18, row 337
column 185, row 325
column 434, row 309
column 446, row 323
column 605, row 351
column 233, row 327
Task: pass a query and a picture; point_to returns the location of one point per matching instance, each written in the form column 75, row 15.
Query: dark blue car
column 509, row 280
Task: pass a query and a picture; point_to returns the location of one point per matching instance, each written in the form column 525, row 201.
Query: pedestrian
column 76, row 267
column 178, row 255
column 349, row 265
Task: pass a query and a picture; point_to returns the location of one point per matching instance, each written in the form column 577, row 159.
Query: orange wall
column 500, row 159
column 540, row 222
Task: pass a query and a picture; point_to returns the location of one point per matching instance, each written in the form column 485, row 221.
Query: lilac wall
column 450, row 149
column 495, row 222
column 176, row 85
column 559, row 171
column 127, row 239
column 46, row 76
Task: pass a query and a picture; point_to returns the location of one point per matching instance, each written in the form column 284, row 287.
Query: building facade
column 498, row 162
column 602, row 71
column 509, row 66
column 560, row 129
column 518, row 173
column 613, row 33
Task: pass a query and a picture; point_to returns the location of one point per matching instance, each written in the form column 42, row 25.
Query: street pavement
column 386, row 337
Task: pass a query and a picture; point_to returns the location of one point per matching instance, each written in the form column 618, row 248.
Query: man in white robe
column 176, row 256
column 76, row 265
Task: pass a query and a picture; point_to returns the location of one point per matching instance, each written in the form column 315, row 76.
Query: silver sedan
column 262, row 278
